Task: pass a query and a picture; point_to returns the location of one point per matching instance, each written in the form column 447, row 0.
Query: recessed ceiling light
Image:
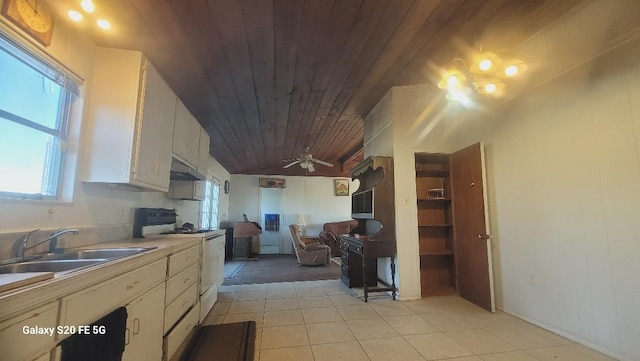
column 87, row 5
column 74, row 15
column 104, row 24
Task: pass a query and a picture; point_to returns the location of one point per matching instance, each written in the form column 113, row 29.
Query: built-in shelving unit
column 435, row 224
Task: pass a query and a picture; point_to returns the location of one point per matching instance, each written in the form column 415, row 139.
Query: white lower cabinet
column 143, row 338
column 18, row 336
column 43, row 357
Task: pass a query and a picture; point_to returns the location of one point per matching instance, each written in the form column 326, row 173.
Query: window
column 210, row 219
column 35, row 102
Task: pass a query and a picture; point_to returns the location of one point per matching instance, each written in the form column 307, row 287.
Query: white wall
column 311, row 196
column 102, row 213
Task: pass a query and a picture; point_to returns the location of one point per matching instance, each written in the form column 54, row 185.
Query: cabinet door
column 203, row 153
column 471, row 227
column 144, row 327
column 186, row 135
column 152, row 150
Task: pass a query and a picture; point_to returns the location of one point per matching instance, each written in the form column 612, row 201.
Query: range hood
column 183, row 172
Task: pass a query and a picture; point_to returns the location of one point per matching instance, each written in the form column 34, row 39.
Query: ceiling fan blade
column 322, row 162
column 290, row 164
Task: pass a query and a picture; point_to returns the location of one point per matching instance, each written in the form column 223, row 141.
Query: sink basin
column 109, row 253
column 50, row 266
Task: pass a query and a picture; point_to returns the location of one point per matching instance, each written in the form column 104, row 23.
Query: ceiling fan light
column 104, row 24
column 490, row 88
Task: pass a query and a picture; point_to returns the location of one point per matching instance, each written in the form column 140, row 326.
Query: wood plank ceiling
column 266, row 78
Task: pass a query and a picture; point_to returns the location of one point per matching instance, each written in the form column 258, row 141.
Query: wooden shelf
column 432, row 173
column 440, row 291
column 435, row 200
column 435, row 225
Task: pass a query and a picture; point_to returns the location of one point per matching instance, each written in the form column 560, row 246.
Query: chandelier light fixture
column 486, row 74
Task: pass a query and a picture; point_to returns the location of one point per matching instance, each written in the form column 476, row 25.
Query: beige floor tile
column 466, row 358
column 357, row 312
column 371, row 328
column 573, row 352
column 345, row 300
column 220, row 308
column 448, row 321
column 347, row 351
column 307, row 284
column 499, row 319
column 283, row 318
column 333, row 283
column 280, row 286
column 284, row 336
column 339, row 290
column 315, row 302
column 213, row 319
column 527, row 337
column 443, row 304
column 281, row 293
column 410, row 325
column 300, row 353
column 508, row 356
column 258, row 342
column 329, row 332
column 394, row 348
column 228, row 288
column 253, row 287
column 251, row 295
column 282, row 304
column 317, row 315
column 389, row 307
column 310, row 292
column 246, row 307
column 479, row 341
column 241, row 317
column 226, row 297
column 435, row 346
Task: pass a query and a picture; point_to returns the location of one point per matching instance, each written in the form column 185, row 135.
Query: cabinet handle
column 126, row 336
column 185, row 281
column 136, row 326
column 185, row 303
column 131, row 286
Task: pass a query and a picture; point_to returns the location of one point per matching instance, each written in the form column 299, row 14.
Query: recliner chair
column 309, row 250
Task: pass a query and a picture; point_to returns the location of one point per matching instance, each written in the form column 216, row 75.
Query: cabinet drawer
column 15, row 344
column 182, row 260
column 180, row 282
column 344, row 258
column 357, row 248
column 175, row 337
column 179, row 306
column 88, row 305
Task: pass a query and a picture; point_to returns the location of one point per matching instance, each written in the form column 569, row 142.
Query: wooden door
column 471, row 227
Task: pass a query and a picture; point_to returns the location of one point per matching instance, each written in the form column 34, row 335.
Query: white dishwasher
column 211, row 270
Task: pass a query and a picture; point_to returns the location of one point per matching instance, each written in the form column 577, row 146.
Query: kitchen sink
column 50, row 265
column 71, row 261
column 109, row 253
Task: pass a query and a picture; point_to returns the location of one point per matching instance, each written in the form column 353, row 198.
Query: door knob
column 483, row 236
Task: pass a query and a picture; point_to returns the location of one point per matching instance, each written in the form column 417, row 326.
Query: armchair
column 332, row 231
column 309, row 250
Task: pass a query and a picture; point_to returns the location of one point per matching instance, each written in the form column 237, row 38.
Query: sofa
column 332, row 231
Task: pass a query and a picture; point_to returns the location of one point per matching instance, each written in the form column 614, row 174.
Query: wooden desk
column 360, row 264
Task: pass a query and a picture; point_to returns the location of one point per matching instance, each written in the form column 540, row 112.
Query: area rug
column 226, row 342
column 233, row 267
column 282, row 268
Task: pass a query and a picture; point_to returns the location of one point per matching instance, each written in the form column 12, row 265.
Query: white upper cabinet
column 203, row 154
column 130, row 125
column 186, row 135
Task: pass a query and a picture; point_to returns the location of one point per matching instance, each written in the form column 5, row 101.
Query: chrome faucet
column 20, row 246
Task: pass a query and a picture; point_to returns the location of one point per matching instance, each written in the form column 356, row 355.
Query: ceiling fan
column 306, row 161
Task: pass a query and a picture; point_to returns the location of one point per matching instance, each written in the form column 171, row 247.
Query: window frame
column 59, row 167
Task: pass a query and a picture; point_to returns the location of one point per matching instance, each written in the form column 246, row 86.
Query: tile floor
column 326, row 321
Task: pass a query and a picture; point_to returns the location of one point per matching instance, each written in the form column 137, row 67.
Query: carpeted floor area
column 281, row 268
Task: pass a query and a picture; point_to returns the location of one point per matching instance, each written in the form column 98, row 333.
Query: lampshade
column 301, row 221
column 513, row 67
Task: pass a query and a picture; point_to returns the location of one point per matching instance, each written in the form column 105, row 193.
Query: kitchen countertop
column 17, row 300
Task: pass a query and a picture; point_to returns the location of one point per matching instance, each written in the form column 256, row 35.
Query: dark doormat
column 226, row 342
